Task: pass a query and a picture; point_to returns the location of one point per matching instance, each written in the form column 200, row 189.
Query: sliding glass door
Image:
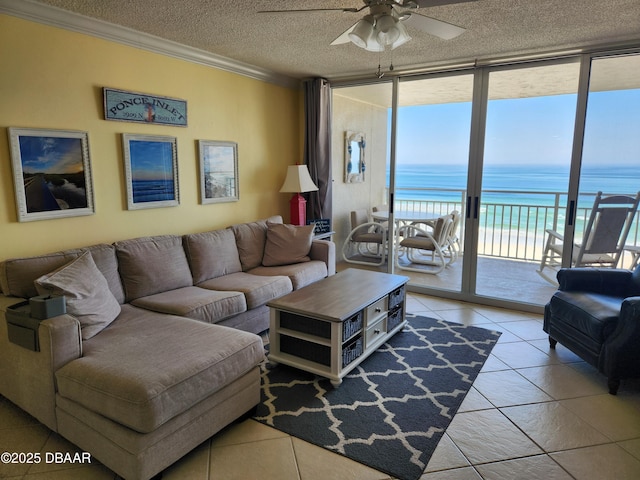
column 431, row 169
column 611, row 147
column 523, row 184
column 494, row 145
column 519, row 151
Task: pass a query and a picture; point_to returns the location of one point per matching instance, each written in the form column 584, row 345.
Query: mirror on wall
column 354, row 163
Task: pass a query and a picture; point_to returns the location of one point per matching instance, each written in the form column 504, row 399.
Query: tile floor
column 532, row 413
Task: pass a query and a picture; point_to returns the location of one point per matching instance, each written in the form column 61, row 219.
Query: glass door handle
column 476, row 202
column 572, row 207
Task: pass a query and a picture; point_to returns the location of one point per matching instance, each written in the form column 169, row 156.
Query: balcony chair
column 604, row 236
column 366, row 243
column 423, row 246
column 455, row 240
column 451, row 246
column 595, row 313
column 381, row 208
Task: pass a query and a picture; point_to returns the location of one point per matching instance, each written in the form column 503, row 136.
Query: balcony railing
column 513, row 224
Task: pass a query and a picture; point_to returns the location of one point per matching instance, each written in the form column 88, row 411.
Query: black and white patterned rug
column 391, row 411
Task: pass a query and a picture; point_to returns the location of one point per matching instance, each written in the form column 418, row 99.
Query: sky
column 51, row 154
column 535, row 130
column 219, row 159
column 151, row 160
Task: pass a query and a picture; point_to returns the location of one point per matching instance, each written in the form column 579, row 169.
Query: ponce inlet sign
column 142, row 108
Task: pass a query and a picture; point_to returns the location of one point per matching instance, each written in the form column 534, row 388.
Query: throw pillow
column 86, row 292
column 250, row 240
column 287, row 244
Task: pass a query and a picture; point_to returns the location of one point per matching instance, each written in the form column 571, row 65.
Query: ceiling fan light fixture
column 378, row 31
column 373, row 45
column 387, row 30
column 362, row 32
column 403, row 37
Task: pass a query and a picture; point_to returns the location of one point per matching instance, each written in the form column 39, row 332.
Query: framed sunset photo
column 52, row 173
column 151, row 171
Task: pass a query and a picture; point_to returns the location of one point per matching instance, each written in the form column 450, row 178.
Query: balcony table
column 406, row 216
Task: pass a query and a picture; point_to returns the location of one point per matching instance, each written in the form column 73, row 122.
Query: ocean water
column 517, row 203
column 539, row 182
column 153, row 190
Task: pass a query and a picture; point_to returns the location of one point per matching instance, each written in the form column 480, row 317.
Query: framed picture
column 354, row 163
column 52, row 173
column 218, row 171
column 151, row 171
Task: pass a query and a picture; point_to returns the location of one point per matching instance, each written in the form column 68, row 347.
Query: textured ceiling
column 298, row 44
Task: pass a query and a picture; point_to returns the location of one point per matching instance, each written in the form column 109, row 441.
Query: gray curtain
column 317, row 145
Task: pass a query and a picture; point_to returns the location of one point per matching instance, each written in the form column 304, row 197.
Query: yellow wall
column 53, row 78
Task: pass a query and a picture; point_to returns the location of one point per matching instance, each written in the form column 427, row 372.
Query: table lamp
column 298, row 181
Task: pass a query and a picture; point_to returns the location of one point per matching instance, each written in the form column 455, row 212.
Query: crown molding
column 59, row 18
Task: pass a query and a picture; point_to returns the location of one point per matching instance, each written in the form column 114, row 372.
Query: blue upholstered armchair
column 595, row 313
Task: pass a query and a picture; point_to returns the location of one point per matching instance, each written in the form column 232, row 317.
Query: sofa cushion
column 212, row 254
column 86, row 292
column 250, row 240
column 257, row 289
column 150, row 265
column 142, row 381
column 18, row 274
column 194, row 302
column 301, row 274
column 287, row 244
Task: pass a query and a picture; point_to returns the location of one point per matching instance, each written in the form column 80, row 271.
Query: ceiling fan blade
column 344, row 37
column 437, row 3
column 441, row 29
column 350, row 10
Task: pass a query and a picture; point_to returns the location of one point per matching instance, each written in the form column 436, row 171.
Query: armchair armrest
column 28, row 377
column 605, row 281
column 324, row 250
column 620, row 356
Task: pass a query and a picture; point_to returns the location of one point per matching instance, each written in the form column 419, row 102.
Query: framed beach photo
column 51, row 172
column 218, row 171
column 151, row 171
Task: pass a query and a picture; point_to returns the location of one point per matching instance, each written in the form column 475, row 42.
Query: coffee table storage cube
column 329, row 327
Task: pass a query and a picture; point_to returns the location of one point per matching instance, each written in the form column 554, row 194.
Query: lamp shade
column 298, row 180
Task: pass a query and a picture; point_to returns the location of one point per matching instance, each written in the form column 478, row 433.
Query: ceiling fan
column 384, row 26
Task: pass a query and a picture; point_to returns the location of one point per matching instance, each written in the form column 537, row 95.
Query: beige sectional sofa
column 144, row 366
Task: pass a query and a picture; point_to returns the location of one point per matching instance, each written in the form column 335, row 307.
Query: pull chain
column 379, row 73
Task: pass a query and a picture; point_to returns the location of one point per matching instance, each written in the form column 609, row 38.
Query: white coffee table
column 331, row 326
